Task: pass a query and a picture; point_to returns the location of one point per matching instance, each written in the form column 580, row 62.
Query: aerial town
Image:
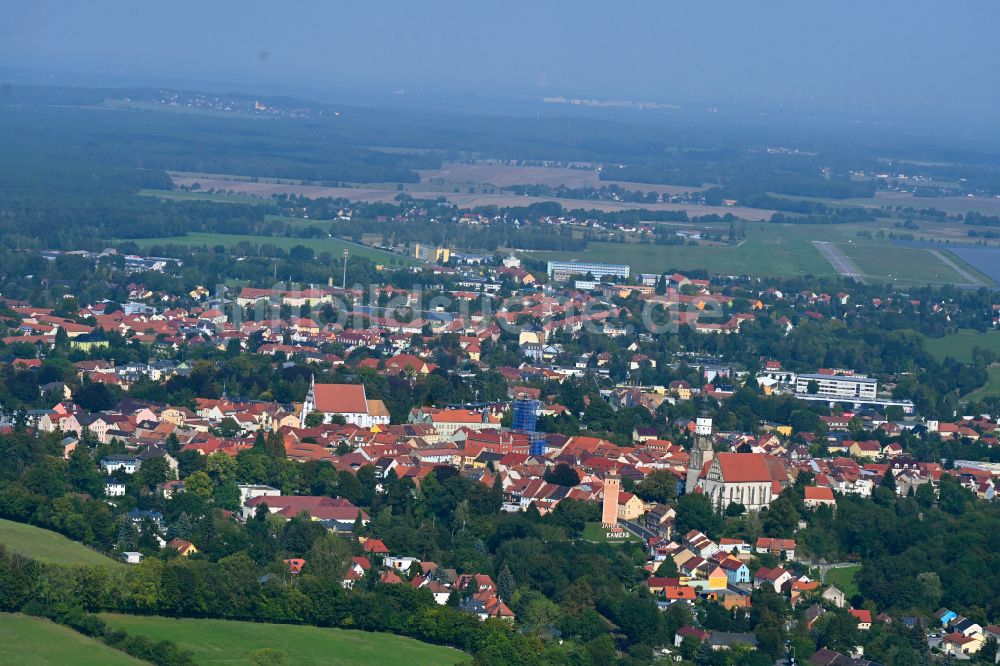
column 640, row 439
column 453, row 334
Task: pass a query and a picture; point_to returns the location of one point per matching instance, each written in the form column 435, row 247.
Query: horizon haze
column 923, row 61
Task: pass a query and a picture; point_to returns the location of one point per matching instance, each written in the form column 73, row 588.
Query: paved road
column 636, row 529
column 969, row 277
column 841, row 263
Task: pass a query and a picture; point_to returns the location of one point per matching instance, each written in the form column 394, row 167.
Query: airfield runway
column 839, row 260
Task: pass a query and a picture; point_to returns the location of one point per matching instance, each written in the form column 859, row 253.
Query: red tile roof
column 863, row 616
column 745, row 467
column 341, row 398
column 818, row 493
column 375, row 546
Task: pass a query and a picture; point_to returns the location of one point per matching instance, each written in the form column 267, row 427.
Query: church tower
column 309, row 404
column 701, row 452
column 609, row 512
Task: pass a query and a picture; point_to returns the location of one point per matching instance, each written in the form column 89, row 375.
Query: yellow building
column 183, row 548
column 173, row 415
column 865, row 449
column 290, row 420
column 535, row 337
column 717, row 579
column 427, row 253
column 88, row 342
column 681, row 389
column 630, row 506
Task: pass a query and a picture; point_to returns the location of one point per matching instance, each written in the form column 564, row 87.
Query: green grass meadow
column 32, row 641
column 598, row 534
column 908, row 265
column 991, row 388
column 777, row 250
column 843, row 579
column 49, row 547
column 218, row 642
column 959, row 345
column 768, row 253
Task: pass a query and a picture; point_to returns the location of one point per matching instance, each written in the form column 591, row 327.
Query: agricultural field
column 50, row 547
column 332, row 245
column 181, row 195
column 387, row 193
column 218, row 642
column 991, row 388
column 884, row 199
column 32, row 641
column 654, row 187
column 503, row 175
column 264, row 189
column 959, row 345
column 769, row 250
column 843, row 579
column 985, row 205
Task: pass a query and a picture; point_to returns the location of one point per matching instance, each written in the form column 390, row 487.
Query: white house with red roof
column 771, row 577
column 817, row 496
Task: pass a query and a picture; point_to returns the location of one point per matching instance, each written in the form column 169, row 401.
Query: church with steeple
column 701, row 452
column 750, row 480
column 346, row 400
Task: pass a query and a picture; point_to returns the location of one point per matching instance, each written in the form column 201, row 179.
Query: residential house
column 864, row 618
column 956, row 644
column 817, row 496
column 737, row 547
column 129, row 464
column 114, row 488
column 835, row 596
column 737, row 572
column 659, row 520
column 723, row 640
column 773, row 577
column 784, row 548
column 869, row 449
column 699, row 635
column 630, row 506
column 336, row 513
column 183, row 548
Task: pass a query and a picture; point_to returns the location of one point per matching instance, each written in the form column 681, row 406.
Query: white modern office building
column 839, row 386
column 560, row 270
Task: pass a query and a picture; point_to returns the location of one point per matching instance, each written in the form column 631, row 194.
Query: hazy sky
column 908, row 57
